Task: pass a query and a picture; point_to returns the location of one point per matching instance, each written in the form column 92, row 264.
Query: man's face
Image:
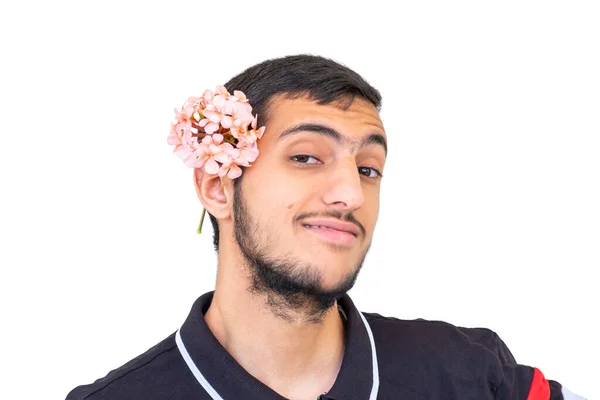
column 318, row 165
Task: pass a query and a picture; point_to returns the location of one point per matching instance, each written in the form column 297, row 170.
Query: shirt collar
column 223, row 378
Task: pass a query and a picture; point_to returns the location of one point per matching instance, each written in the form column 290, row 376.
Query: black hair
column 320, row 79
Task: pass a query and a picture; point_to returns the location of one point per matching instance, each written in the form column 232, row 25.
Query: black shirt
column 385, row 358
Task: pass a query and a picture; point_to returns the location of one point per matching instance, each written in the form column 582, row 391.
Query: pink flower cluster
column 216, row 131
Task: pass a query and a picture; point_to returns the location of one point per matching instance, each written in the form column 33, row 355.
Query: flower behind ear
column 207, row 129
column 216, row 132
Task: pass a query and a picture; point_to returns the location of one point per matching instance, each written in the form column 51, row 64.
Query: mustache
column 348, row 217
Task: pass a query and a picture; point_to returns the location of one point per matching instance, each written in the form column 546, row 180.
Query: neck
column 295, row 356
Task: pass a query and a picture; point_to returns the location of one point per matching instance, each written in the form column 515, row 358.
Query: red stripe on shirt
column 540, row 388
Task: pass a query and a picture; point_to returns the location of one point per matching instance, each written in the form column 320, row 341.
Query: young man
column 291, row 235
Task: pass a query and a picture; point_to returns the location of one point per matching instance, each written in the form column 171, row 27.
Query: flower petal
column 217, row 138
column 234, row 172
column 211, row 128
column 219, row 101
column 240, row 96
column 221, row 90
column 207, row 95
column 191, row 161
column 213, row 116
column 200, row 162
column 183, row 152
column 173, row 140
column 222, row 158
column 223, row 171
column 211, row 166
column 226, row 122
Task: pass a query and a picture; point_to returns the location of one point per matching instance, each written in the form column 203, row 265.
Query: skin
column 294, row 344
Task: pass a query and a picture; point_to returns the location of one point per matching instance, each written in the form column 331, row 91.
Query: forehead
column 360, row 118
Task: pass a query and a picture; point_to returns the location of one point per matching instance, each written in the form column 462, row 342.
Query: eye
column 369, row 172
column 303, row 159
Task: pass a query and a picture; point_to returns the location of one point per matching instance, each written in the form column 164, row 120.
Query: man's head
column 318, row 172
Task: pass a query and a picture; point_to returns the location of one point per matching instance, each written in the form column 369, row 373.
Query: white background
column 490, row 199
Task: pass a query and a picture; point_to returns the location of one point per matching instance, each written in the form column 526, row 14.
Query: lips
column 340, row 233
column 332, row 225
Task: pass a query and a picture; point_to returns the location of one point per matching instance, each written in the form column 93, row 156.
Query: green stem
column 199, row 230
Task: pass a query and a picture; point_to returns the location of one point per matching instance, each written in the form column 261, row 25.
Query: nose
column 344, row 188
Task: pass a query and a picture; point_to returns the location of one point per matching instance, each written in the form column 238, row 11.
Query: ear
column 215, row 193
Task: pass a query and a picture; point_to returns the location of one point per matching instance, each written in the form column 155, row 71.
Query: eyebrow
column 373, row 138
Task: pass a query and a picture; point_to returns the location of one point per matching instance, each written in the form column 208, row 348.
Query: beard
column 292, row 288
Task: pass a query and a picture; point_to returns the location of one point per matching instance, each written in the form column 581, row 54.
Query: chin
column 340, row 277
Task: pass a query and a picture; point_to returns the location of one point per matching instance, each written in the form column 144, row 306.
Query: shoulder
column 429, row 336
column 448, row 359
column 443, row 359
column 134, row 378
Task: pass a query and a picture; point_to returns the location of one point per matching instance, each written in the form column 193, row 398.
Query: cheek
column 371, row 210
column 275, row 201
